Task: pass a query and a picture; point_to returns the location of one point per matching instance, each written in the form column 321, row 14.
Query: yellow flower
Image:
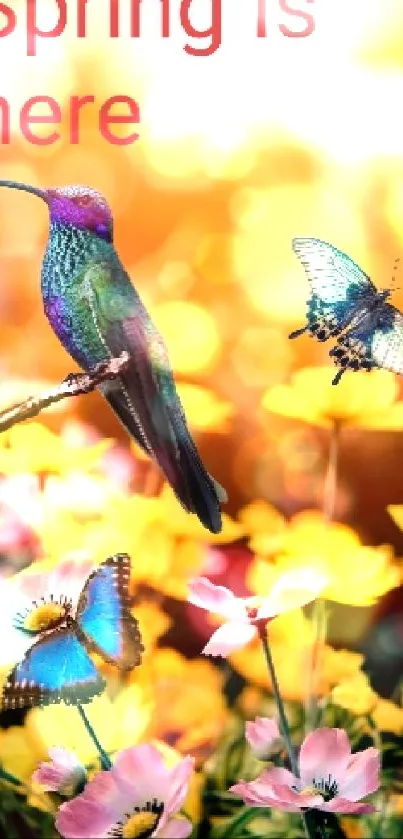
column 19, row 753
column 396, row 511
column 87, row 515
column 355, row 694
column 118, row 722
column 388, row 716
column 189, row 708
column 193, row 806
column 357, row 574
column 153, row 623
column 363, row 400
column 354, row 828
column 204, row 410
column 179, row 522
column 396, row 804
column 338, row 666
column 291, row 639
column 32, row 447
column 265, row 525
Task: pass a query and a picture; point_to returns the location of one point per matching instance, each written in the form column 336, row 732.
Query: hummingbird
column 96, row 313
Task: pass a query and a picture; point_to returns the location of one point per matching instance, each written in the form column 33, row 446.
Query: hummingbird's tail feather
column 205, row 493
column 146, row 400
column 195, row 488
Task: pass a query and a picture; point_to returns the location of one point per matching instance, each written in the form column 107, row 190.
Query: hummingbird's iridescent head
column 77, row 206
column 82, row 207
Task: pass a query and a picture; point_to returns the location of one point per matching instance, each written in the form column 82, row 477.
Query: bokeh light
column 239, row 152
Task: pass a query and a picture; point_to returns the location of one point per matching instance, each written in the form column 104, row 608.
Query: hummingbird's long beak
column 35, row 190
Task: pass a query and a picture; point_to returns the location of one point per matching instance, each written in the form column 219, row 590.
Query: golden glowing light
column 191, row 335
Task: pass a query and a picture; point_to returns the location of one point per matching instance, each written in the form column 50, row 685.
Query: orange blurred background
column 239, row 151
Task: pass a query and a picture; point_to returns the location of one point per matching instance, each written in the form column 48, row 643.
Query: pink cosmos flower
column 137, row 796
column 263, row 736
column 64, row 773
column 292, row 590
column 331, row 778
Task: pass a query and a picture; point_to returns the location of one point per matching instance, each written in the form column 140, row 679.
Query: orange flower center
column 44, row 617
column 141, row 824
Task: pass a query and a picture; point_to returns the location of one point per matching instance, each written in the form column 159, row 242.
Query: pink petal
column 179, row 784
column 297, row 799
column 229, row 637
column 63, row 774
column 62, row 757
column 293, row 590
column 262, row 734
column 341, row 805
column 269, row 791
column 217, row 599
column 109, row 791
column 32, row 586
column 83, row 820
column 362, row 776
column 324, row 752
column 68, row 578
column 141, row 772
column 279, row 785
column 243, row 790
column 278, row 775
column 175, row 829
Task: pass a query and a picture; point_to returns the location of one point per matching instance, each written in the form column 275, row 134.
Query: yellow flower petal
column 357, row 574
column 189, row 705
column 32, row 447
column 204, row 410
column 361, row 399
column 355, row 694
column 266, row 526
column 388, row 716
column 118, row 723
column 178, row 521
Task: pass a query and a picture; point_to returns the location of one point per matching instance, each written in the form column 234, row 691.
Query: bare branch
column 75, row 384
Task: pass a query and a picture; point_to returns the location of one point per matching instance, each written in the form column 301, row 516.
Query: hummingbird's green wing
column 123, row 324
column 144, row 397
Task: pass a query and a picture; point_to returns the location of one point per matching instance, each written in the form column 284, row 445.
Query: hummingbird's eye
column 83, row 201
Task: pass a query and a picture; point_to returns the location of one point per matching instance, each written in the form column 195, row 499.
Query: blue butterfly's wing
column 103, row 614
column 56, row 668
column 338, row 287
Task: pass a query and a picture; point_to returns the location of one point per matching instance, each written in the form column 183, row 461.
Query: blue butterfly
column 57, row 667
column 345, row 305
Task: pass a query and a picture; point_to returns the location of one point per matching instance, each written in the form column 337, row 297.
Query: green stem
column 106, row 763
column 319, row 612
column 384, row 794
column 11, row 779
column 246, row 816
column 285, row 728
